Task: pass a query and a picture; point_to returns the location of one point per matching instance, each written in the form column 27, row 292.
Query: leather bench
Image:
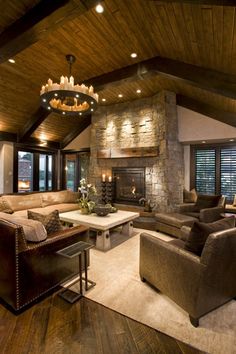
column 171, row 223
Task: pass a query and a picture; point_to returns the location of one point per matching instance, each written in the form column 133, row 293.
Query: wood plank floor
column 55, row 326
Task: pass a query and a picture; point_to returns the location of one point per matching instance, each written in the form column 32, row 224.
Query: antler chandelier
column 67, row 98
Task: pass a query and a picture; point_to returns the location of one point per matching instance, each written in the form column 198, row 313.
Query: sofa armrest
column 184, row 232
column 211, row 214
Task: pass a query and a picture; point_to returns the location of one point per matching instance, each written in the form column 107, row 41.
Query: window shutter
column 228, row 173
column 205, row 171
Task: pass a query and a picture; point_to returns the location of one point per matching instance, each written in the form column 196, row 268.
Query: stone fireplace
column 128, row 184
column 140, row 134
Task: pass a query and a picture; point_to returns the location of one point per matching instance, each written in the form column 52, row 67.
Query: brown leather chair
column 29, row 270
column 197, row 284
column 207, row 214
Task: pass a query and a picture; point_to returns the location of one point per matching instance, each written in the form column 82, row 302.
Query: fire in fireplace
column 129, row 184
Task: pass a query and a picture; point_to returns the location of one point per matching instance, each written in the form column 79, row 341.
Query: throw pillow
column 51, row 221
column 189, row 196
column 5, row 207
column 200, row 231
column 234, row 202
column 205, row 201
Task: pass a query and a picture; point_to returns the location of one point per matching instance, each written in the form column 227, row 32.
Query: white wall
column 195, row 127
column 81, row 141
column 6, row 167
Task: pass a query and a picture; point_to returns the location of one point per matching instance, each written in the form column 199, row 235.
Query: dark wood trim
column 202, row 2
column 82, row 125
column 192, row 167
column 33, row 123
column 206, row 109
column 43, row 18
column 204, row 78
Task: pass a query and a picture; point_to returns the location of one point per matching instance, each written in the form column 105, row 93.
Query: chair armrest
column 184, row 232
column 171, row 269
column 186, row 207
column 211, row 214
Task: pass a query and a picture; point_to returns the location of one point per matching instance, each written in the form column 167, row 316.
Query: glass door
column 45, row 172
column 25, row 171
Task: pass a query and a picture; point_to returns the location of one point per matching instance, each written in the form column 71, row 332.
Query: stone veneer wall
column 145, row 122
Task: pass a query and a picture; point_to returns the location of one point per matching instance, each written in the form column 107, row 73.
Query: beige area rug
column 119, row 287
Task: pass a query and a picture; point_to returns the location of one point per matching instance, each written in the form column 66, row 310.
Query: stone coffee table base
column 103, row 238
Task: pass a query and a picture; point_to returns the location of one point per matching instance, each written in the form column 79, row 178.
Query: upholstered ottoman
column 171, row 223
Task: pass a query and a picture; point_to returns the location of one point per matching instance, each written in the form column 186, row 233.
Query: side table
column 78, row 249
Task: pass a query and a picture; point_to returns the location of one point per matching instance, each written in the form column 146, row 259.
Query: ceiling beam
column 202, row 2
column 43, row 18
column 82, row 125
column 32, row 124
column 204, row 78
column 206, row 109
column 5, row 136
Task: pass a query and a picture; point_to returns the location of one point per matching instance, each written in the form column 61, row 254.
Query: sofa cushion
column 200, row 231
column 189, row 196
column 4, row 206
column 34, row 231
column 52, row 198
column 206, row 201
column 51, row 221
column 21, row 202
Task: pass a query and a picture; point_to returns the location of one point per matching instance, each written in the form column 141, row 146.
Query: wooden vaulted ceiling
column 188, row 47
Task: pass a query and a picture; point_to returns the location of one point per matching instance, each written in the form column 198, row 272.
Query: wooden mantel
column 113, row 153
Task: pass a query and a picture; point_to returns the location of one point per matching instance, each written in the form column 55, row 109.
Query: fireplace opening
column 129, row 184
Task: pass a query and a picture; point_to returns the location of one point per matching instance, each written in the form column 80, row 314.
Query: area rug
column 119, row 287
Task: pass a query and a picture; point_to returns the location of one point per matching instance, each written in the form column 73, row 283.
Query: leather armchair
column 204, row 215
column 197, row 284
column 29, row 270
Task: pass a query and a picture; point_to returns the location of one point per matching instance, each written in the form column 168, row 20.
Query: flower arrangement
column 147, row 203
column 87, row 191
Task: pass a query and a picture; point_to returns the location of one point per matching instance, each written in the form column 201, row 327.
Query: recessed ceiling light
column 11, row 61
column 99, row 9
column 63, row 112
column 91, row 109
column 77, row 95
column 49, row 108
column 80, row 113
column 231, row 139
column 103, row 100
column 133, row 55
column 120, row 95
column 138, row 91
column 203, row 142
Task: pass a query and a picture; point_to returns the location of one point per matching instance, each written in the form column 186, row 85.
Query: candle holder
column 106, row 191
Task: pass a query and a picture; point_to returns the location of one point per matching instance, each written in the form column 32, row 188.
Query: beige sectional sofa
column 41, row 202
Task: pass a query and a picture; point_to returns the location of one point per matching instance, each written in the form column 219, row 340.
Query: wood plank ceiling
column 176, row 33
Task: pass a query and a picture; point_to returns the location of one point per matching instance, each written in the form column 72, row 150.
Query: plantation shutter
column 228, row 173
column 205, row 171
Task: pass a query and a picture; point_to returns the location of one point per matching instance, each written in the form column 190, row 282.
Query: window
column 75, row 166
column 34, row 170
column 214, row 170
column 205, row 176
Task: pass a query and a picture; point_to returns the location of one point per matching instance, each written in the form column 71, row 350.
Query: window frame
column 36, row 152
column 217, row 147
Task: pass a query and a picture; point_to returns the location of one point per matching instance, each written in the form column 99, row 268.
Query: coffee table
column 103, row 224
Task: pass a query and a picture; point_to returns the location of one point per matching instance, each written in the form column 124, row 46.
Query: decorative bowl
column 101, row 210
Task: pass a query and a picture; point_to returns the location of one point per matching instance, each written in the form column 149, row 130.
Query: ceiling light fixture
column 11, row 61
column 67, row 98
column 120, row 95
column 99, row 9
column 133, row 55
column 103, row 99
column 138, row 91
